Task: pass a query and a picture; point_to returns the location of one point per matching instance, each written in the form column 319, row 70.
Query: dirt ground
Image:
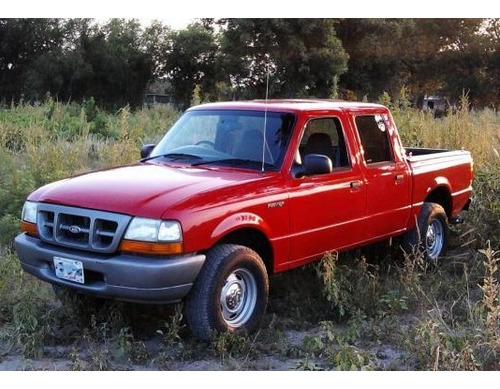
column 58, row 359
column 291, row 338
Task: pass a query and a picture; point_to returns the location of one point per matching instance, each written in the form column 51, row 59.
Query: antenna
column 265, row 116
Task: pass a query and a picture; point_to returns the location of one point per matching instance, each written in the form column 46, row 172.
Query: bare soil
column 131, row 337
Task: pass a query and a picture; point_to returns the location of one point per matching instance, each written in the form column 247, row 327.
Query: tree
column 191, row 62
column 156, row 40
column 114, row 62
column 22, row 41
column 111, row 62
column 302, row 56
column 120, row 67
column 492, row 36
column 386, row 54
column 464, row 69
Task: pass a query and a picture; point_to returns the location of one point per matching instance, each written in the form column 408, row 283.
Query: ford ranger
column 235, row 192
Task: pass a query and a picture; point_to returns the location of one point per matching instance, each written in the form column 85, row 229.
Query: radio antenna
column 265, row 116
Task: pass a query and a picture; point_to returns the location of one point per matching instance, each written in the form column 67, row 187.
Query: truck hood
column 145, row 189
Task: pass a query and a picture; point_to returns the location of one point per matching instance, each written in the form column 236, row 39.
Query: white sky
column 180, row 13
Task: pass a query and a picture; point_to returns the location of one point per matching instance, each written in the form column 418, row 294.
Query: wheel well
column 442, row 197
column 255, row 240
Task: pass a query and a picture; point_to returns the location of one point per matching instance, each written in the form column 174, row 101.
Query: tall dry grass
column 476, row 131
column 456, row 311
column 48, row 142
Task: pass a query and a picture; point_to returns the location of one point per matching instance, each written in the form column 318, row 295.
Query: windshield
column 227, row 137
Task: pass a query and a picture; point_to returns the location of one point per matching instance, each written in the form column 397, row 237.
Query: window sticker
column 380, row 122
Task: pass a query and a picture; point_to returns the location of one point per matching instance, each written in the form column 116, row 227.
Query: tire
column 230, row 293
column 430, row 237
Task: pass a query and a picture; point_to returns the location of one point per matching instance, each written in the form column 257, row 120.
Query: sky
column 180, row 14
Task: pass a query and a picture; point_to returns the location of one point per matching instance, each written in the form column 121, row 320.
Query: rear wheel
column 230, row 293
column 430, row 235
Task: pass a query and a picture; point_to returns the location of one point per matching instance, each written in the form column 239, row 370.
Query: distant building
column 152, row 99
column 435, row 104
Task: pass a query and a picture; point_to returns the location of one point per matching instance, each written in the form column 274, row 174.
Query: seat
column 320, row 143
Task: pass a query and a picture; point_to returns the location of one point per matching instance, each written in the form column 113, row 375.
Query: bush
column 441, row 316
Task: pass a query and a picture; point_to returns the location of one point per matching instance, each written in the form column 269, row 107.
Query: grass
column 478, row 132
column 369, row 309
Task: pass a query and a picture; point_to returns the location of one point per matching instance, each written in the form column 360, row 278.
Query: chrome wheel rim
column 238, row 297
column 434, row 239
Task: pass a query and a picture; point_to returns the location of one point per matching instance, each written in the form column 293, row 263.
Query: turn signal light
column 150, row 248
column 29, row 228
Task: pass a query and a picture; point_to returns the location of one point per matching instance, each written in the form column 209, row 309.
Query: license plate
column 69, row 269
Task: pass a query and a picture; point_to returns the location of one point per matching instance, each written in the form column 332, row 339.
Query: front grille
column 79, row 228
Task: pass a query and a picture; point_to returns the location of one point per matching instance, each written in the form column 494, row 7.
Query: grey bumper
column 122, row 277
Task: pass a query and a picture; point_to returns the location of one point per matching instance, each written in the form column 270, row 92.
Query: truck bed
column 421, row 153
column 450, row 169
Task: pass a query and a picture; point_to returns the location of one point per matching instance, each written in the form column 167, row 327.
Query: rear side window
column 374, row 139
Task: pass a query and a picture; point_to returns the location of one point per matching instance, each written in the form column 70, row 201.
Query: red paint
column 301, row 217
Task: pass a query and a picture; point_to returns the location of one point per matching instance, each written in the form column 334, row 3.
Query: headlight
column 29, row 212
column 28, row 218
column 151, row 230
column 153, row 237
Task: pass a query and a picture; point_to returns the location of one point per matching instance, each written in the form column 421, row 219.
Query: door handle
column 355, row 184
column 399, row 177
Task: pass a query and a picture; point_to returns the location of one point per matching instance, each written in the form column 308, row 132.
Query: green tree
column 22, row 41
column 191, row 62
column 492, row 36
column 63, row 71
column 120, row 66
column 386, row 54
column 464, row 68
column 302, row 56
column 156, row 40
column 111, row 62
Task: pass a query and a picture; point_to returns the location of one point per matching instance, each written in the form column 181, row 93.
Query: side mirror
column 146, row 150
column 317, row 164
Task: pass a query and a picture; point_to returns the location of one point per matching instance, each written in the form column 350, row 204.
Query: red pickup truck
column 235, row 192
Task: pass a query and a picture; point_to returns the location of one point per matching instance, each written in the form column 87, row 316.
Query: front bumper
column 123, row 277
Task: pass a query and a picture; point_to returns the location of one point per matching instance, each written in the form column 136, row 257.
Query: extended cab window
column 325, row 136
column 374, row 139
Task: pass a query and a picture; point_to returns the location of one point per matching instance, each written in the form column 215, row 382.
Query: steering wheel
column 205, row 143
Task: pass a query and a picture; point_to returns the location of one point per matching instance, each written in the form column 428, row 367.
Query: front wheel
column 230, row 293
column 430, row 236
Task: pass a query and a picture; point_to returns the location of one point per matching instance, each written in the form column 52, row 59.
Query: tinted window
column 325, row 136
column 374, row 138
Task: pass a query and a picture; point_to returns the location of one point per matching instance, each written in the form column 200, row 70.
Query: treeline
column 117, row 61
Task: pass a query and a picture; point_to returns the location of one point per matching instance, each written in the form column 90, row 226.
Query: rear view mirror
column 317, row 164
column 146, row 150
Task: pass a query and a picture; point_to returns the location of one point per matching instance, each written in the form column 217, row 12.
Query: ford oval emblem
column 75, row 229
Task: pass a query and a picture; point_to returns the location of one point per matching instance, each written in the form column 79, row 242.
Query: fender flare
column 238, row 221
column 440, row 182
column 441, row 193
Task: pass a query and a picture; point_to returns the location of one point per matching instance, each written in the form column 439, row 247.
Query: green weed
column 230, row 346
column 31, row 320
column 351, row 358
column 442, row 343
column 171, row 331
column 446, row 317
column 351, row 287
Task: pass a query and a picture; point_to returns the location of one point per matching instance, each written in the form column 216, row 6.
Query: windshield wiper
column 233, row 162
column 173, row 156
